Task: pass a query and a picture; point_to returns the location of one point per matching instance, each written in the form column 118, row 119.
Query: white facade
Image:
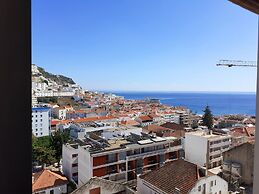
column 70, row 162
column 85, row 168
column 54, row 190
column 210, row 184
column 40, row 121
column 200, row 146
column 53, row 93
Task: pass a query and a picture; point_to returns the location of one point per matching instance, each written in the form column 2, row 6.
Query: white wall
column 195, row 148
column 57, row 190
column 68, row 160
column 85, row 166
column 221, row 185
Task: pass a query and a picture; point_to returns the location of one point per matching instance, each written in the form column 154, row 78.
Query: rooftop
column 47, row 179
column 176, row 174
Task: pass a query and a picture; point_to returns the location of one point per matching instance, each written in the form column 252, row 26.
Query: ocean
column 220, row 103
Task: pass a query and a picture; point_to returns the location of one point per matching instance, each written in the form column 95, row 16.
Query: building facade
column 206, row 149
column 41, row 120
column 121, row 159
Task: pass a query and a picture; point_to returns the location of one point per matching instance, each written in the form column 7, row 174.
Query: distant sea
column 220, row 103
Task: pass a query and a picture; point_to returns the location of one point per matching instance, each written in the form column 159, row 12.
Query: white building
column 180, row 176
column 40, row 121
column 202, row 148
column 117, row 159
column 59, row 113
column 48, row 182
column 70, row 161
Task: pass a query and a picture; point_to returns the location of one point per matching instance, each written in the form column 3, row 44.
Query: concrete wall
column 68, row 160
column 85, row 166
column 244, row 155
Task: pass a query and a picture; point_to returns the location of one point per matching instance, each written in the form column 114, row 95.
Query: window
column 74, row 165
column 219, row 192
column 211, row 183
column 36, row 120
column 75, row 174
column 41, row 120
column 40, row 115
column 40, row 133
column 36, row 125
column 215, row 182
column 199, row 188
column 74, row 155
column 36, row 129
column 51, row 191
column 36, row 115
column 36, row 134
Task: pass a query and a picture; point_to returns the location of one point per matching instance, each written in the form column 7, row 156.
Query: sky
column 146, row 45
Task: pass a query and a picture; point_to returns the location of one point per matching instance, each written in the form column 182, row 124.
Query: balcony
column 215, row 152
column 147, row 154
column 216, row 159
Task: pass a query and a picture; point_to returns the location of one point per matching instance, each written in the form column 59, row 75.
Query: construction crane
column 239, row 63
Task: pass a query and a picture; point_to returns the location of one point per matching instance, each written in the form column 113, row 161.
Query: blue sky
column 145, row 45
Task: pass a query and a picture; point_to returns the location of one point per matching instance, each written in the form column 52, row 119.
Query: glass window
column 199, row 188
column 211, row 183
column 215, row 182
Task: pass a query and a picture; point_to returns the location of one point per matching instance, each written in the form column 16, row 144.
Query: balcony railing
column 174, row 148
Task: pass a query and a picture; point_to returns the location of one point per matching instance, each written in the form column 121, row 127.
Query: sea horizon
column 221, row 103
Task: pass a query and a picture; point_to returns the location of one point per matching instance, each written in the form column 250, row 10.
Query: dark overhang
column 251, row 5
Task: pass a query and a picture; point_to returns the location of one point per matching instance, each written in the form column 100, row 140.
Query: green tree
column 42, row 151
column 57, row 141
column 207, row 117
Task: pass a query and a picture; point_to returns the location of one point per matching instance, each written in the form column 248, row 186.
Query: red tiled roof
column 89, row 119
column 176, row 174
column 47, row 179
column 145, row 118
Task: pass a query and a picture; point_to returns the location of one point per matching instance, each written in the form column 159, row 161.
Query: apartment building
column 180, row 177
column 41, row 121
column 120, row 159
column 205, row 149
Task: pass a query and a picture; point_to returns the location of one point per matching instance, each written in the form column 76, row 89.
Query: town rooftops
column 96, row 144
column 47, row 179
column 88, row 119
column 145, row 118
column 207, row 135
column 178, row 174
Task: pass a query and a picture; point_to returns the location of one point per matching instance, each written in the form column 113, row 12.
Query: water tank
column 226, row 166
column 236, row 169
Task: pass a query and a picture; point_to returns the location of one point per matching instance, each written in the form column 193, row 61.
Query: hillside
column 40, row 75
